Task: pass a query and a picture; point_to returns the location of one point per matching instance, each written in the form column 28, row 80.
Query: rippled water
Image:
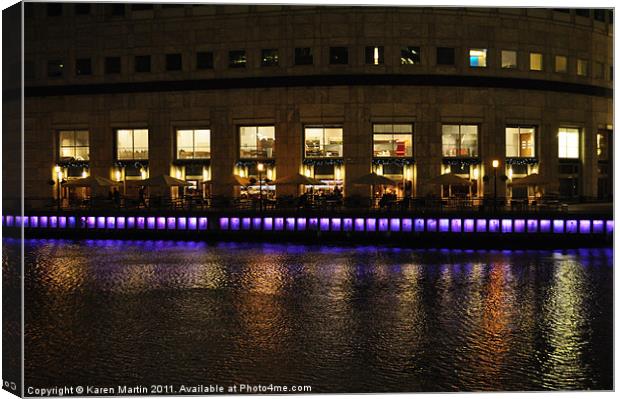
column 363, row 319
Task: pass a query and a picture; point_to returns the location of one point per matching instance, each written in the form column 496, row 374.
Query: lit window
column 323, row 142
column 459, row 140
column 602, row 145
column 269, row 57
column 257, row 142
column 536, row 62
column 520, row 141
column 410, row 55
column 395, row 141
column 132, row 144
column 582, row 67
column 478, row 58
column 568, row 143
column 374, row 55
column 560, row 64
column 236, row 59
column 194, row 144
column 74, row 145
column 509, row 59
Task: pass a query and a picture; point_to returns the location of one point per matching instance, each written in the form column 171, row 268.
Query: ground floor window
column 569, row 174
column 261, row 177
column 331, row 175
column 470, row 172
column 401, row 174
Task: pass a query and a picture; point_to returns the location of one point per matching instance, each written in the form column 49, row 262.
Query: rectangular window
column 338, row 55
column 257, row 142
column 55, row 68
column 478, row 58
column 561, row 64
column 459, row 140
column 374, row 55
column 568, row 143
column 536, row 62
column 445, row 56
column 582, row 67
column 303, row 56
column 599, row 70
column 112, row 65
column 509, row 59
column 143, row 63
column 204, row 60
column 599, row 15
column 269, row 57
column 174, row 62
column 193, row 144
column 582, row 12
column 132, row 144
column 410, row 56
column 236, row 59
column 323, row 142
column 83, row 66
column 82, row 9
column 73, row 145
column 392, row 141
column 520, row 141
column 602, row 145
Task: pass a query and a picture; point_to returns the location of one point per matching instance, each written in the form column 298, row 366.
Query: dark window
column 338, row 55
column 141, row 7
column 236, row 59
column 133, row 170
column 323, row 170
column 445, row 56
column 582, row 12
column 204, row 60
column 75, row 171
column 374, row 55
column 112, row 65
column 29, row 68
column 564, row 10
column 410, row 55
column 599, row 15
column 143, row 63
column 610, row 14
column 83, row 66
column 519, row 169
column 303, row 56
column 193, row 170
column 82, row 9
column 392, row 169
column 174, row 62
column 29, row 10
column 54, row 9
column 269, row 57
column 55, row 68
column 116, row 9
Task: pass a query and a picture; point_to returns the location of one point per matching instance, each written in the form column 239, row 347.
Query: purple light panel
column 383, row 224
column 62, row 222
column 224, row 224
column 279, row 224
column 371, row 224
column 444, row 225
column 192, row 223
column 456, row 225
column 43, row 222
column 268, row 224
column 182, row 223
column 431, row 225
column 481, row 225
column 18, row 221
column 203, row 223
column 394, row 224
column 256, row 223
column 131, row 222
column 313, row 223
column 532, row 225
column 347, row 224
column 26, row 221
column 71, row 220
column 246, row 223
column 506, row 225
column 558, row 226
column 571, row 226
column 468, row 225
column 336, row 224
column 111, row 222
column 597, row 226
column 584, row 226
column 171, row 223
column 359, row 224
column 150, row 222
column 407, row 225
column 610, row 226
column 34, row 221
column 161, row 223
column 234, row 224
column 324, row 224
column 519, row 226
column 100, row 222
column 141, row 222
column 290, row 224
column 418, row 225
column 10, row 221
column 545, row 226
column 494, row 226
column 90, row 222
column 120, row 222
column 53, row 222
column 301, row 224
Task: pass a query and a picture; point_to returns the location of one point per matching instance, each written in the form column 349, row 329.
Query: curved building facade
column 206, row 92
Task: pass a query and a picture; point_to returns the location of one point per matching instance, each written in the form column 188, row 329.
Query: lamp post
column 495, row 165
column 59, row 180
column 260, row 167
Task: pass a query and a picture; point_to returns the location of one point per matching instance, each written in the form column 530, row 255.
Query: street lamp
column 260, row 167
column 495, row 165
column 59, row 180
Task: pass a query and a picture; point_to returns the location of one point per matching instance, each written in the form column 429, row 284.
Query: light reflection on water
column 341, row 319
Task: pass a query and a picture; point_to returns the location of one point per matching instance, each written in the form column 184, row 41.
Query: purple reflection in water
column 192, row 223
column 371, row 224
column 418, row 225
column 324, row 224
column 202, row 223
column 494, row 226
column 256, row 223
column 100, row 222
column 455, row 226
column 444, row 225
column 584, row 226
column 407, row 225
column 610, row 226
column 359, row 224
column 301, row 224
column 597, row 226
column 120, row 222
column 481, row 225
column 171, row 223
column 558, row 226
column 161, row 223
column 532, row 225
column 34, row 221
column 246, row 223
column 336, row 224
column 90, row 222
column 290, row 224
column 545, row 226
column 571, row 226
column 506, row 225
column 268, row 224
column 150, row 222
column 394, row 224
column 53, row 222
column 383, row 224
column 279, row 224
column 519, row 226
column 431, row 225
column 468, row 225
column 62, row 222
column 234, row 224
column 313, row 223
column 224, row 224
column 140, row 222
column 347, row 224
column 71, row 220
column 182, row 223
column 110, row 222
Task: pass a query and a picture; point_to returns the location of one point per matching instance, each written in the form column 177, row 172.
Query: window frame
column 516, row 57
column 77, row 68
column 74, row 146
column 441, row 49
column 418, row 49
column 171, row 61
column 257, row 158
column 137, row 61
column 542, row 61
column 133, row 148
column 555, row 63
column 272, row 63
column 334, row 58
column 193, row 130
column 209, row 60
column 320, row 126
column 535, row 139
column 458, row 148
column 107, row 64
column 237, row 65
column 299, row 57
column 578, row 157
column 411, row 124
column 485, row 51
column 369, row 54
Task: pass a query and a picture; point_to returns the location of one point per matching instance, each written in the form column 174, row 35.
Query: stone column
column 357, row 143
column 223, row 151
column 288, row 146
